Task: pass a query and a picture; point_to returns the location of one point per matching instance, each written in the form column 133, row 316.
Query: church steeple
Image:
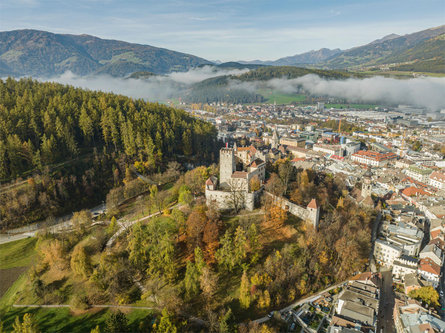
column 275, row 139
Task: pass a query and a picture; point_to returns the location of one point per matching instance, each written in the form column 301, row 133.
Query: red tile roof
column 313, row 204
column 373, row 155
column 429, row 266
column 414, row 191
column 439, row 176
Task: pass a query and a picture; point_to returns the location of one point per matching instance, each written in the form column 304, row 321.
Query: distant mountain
column 41, row 53
column 383, row 39
column 307, row 58
column 423, row 50
column 388, row 50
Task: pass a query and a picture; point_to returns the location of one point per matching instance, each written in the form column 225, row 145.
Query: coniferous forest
column 72, row 145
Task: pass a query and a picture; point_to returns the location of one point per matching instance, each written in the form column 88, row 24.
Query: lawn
column 15, row 258
column 63, row 320
column 273, row 96
column 17, row 254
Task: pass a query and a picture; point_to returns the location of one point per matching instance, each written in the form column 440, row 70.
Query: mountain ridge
column 42, row 53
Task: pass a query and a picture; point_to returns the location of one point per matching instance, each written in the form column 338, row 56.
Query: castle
column 241, row 178
column 240, row 185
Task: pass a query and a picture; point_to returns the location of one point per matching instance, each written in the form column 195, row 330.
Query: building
column 437, row 180
column 372, row 158
column 358, row 305
column 367, row 184
column 411, row 317
column 419, row 173
column 403, row 266
column 385, row 253
column 239, row 169
column 432, row 252
column 328, row 149
column 429, row 270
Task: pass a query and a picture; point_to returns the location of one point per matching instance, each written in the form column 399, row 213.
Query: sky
column 228, row 30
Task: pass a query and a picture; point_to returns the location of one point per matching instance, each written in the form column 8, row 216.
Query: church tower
column 367, row 183
column 226, row 164
column 275, row 139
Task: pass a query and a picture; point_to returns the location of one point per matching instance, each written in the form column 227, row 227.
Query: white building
column 419, row 173
column 404, row 265
column 385, row 253
column 437, row 180
column 432, row 252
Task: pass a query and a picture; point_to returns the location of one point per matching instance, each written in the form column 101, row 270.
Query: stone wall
column 294, row 209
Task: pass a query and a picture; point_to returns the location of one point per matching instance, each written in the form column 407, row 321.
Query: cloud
column 155, row 88
column 424, row 92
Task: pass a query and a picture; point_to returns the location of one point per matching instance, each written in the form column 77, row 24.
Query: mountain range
column 45, row 54
column 419, row 51
column 41, row 53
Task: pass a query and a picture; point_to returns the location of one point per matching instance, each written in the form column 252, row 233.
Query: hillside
column 73, row 145
column 388, row 50
column 222, row 89
column 40, row 53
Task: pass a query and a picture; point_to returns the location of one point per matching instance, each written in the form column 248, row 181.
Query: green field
column 273, row 96
column 17, row 254
column 62, row 320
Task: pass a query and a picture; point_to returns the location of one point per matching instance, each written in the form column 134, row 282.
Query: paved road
column 125, row 225
column 61, row 223
column 299, row 302
column 385, row 320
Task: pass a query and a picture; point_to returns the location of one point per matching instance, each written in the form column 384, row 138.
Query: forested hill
column 53, row 130
column 41, row 53
column 219, row 89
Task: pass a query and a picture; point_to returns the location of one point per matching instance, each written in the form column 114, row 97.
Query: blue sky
column 228, row 29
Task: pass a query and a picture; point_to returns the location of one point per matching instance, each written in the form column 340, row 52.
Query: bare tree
column 237, row 198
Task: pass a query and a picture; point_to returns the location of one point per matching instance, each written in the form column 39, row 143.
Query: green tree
column 427, row 294
column 166, row 324
column 191, row 280
column 27, row 326
column 112, row 227
column 224, row 255
column 80, row 262
column 240, row 246
column 116, row 322
column 96, row 329
column 244, row 292
column 254, row 243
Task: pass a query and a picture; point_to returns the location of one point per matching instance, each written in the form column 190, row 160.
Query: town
column 395, row 155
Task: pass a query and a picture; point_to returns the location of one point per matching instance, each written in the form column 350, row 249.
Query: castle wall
column 307, row 214
column 224, row 199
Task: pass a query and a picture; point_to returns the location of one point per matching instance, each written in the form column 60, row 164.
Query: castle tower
column 367, row 184
column 314, row 213
column 226, row 164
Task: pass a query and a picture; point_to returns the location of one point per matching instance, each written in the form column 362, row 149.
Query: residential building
column 437, row 179
column 385, row 253
column 419, row 173
column 372, row 158
column 429, row 270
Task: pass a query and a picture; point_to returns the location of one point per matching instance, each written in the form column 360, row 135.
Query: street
column 441, row 288
column 385, row 321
